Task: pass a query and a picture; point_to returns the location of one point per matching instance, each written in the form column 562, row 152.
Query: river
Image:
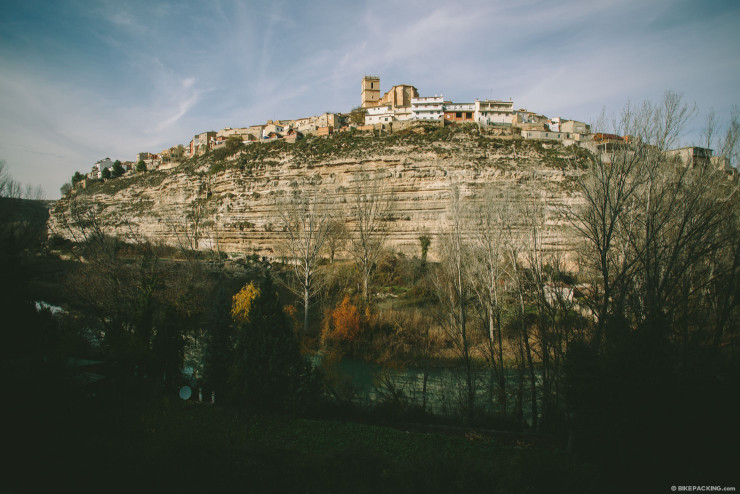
column 445, row 387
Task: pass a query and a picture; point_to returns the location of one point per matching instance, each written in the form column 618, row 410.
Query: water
column 446, row 389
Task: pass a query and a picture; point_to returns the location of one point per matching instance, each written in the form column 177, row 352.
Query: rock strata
column 232, row 204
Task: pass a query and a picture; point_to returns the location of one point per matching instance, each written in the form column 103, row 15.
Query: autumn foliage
column 242, row 303
column 346, row 322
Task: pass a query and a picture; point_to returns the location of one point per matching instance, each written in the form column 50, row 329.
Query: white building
column 566, row 138
column 379, row 114
column 492, row 112
column 101, row 165
column 402, row 113
column 428, row 108
column 270, row 128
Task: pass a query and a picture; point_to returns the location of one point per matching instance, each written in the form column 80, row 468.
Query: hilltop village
column 401, row 107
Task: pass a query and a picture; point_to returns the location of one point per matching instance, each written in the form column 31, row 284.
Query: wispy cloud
column 84, row 80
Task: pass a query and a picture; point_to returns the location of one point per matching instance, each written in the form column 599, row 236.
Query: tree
column 77, row 178
column 345, row 323
column 8, row 186
column 117, row 169
column 105, row 174
column 491, row 224
column 453, row 288
column 241, row 305
column 424, row 243
column 233, row 142
column 337, row 238
column 65, row 188
column 357, row 116
column 659, row 244
column 219, row 354
column 12, row 189
column 306, row 223
column 140, row 166
column 648, row 222
column 269, row 368
column 371, row 205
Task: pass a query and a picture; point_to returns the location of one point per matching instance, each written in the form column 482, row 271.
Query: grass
column 172, row 446
column 465, row 142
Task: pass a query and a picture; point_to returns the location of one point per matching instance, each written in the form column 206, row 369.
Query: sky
column 81, row 80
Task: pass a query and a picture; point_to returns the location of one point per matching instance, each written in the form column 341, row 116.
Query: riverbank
column 172, row 446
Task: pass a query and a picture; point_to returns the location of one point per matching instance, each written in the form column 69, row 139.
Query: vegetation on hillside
column 623, row 360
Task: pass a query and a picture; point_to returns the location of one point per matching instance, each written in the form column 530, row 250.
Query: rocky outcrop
column 231, row 204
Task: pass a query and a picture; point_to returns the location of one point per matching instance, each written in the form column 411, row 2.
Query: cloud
column 89, row 80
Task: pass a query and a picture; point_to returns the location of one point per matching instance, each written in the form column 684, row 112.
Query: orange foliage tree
column 346, row 322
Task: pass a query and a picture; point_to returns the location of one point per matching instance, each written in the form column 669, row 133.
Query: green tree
column 268, row 365
column 77, row 178
column 140, row 166
column 117, row 170
column 105, row 174
column 357, row 116
column 233, row 142
column 425, row 242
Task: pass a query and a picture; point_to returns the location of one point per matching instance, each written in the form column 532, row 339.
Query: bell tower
column 370, row 90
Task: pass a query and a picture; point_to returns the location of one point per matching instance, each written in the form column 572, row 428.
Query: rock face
column 232, row 203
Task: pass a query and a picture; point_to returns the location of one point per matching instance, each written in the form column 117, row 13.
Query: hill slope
column 231, row 202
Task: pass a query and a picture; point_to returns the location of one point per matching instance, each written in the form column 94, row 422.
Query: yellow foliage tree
column 241, row 303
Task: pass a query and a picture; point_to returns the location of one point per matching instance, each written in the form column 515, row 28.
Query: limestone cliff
column 230, row 202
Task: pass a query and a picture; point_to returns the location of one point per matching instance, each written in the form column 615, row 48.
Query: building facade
column 494, row 112
column 459, row 112
column 427, row 108
column 379, row 114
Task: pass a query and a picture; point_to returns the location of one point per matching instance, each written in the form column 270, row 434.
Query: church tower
column 370, row 91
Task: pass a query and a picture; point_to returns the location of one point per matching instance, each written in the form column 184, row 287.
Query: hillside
column 229, row 200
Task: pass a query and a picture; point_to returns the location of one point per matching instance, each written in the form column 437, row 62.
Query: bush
column 346, row 325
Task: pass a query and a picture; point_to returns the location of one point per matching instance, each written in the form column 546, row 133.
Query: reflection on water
column 445, row 389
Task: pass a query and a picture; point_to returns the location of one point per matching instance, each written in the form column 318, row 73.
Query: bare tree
column 491, row 221
column 524, row 248
column 370, row 207
column 724, row 146
column 306, row 223
column 189, row 229
column 9, row 187
column 650, row 224
column 337, row 238
column 453, row 287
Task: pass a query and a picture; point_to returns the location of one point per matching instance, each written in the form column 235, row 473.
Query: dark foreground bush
column 174, row 446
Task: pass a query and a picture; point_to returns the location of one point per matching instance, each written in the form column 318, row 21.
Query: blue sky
column 82, row 80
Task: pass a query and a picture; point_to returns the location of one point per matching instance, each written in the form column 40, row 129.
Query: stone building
column 370, row 91
column 397, row 97
column 691, row 156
